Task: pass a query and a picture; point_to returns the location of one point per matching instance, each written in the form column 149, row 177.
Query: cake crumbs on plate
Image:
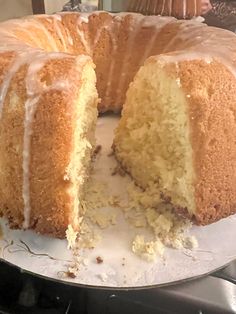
column 70, row 275
column 142, row 209
column 99, row 260
column 190, row 243
column 147, row 250
column 97, row 199
column 148, row 210
column 98, row 196
column 75, row 265
column 89, row 237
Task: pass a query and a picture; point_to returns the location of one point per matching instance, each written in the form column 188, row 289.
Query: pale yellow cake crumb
column 169, row 230
column 97, row 196
column 99, row 209
column 74, row 269
column 191, row 243
column 146, row 199
column 89, row 237
column 102, row 218
column 142, row 209
column 147, row 250
column 71, row 237
column 136, row 218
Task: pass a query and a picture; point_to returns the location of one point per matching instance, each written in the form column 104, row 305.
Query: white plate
column 120, row 267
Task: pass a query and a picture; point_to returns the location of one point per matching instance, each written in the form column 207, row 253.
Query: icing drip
column 37, row 39
column 24, row 51
column 127, row 57
column 50, row 39
column 30, row 107
column 163, row 6
column 35, row 59
column 85, row 17
column 19, row 60
column 184, row 8
column 112, row 62
column 57, row 26
column 195, row 6
column 34, row 90
column 83, row 40
column 163, row 22
column 170, row 7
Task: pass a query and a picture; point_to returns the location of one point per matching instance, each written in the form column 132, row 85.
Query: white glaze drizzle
column 108, row 28
column 34, row 90
column 30, row 106
column 171, row 6
column 134, row 33
column 163, row 7
column 195, row 7
column 35, row 59
column 24, row 51
column 184, row 9
column 85, row 17
column 83, row 40
column 51, row 41
column 20, row 59
column 162, row 22
column 112, row 62
column 57, row 25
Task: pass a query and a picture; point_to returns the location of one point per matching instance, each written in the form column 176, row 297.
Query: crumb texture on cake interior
column 83, row 143
column 153, row 141
column 177, row 132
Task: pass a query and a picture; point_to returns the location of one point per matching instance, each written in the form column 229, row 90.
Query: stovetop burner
column 22, row 293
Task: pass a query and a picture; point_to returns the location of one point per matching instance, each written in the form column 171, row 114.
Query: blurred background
column 18, row 8
column 219, row 13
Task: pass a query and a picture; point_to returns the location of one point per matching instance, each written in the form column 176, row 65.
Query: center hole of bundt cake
column 152, row 140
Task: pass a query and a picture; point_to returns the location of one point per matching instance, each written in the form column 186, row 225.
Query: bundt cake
column 178, row 103
column 181, row 9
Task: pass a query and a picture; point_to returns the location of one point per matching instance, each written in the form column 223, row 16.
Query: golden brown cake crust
column 212, row 118
column 212, row 114
column 50, row 151
column 51, row 146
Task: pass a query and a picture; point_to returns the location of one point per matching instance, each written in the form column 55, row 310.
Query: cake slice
column 48, row 119
column 177, row 134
